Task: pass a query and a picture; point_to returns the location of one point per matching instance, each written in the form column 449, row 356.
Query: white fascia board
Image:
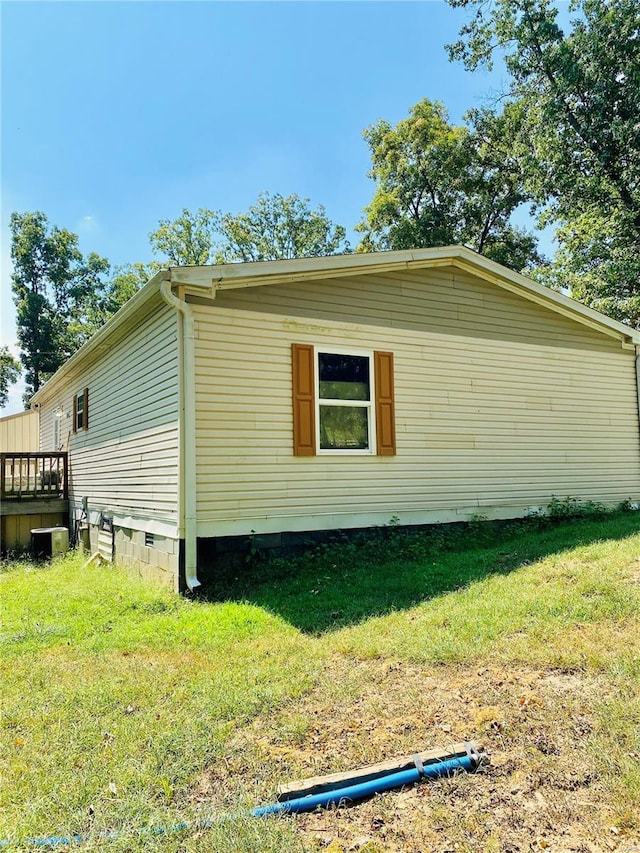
column 98, row 342
column 258, row 273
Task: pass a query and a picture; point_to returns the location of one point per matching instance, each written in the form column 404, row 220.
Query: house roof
column 212, row 278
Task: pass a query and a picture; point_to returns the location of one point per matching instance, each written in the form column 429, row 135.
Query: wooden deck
column 34, row 477
column 34, row 492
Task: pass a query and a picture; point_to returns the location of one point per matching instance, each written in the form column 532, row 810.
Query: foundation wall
column 149, row 556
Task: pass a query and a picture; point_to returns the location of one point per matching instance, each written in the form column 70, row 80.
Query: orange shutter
column 75, row 413
column 385, row 405
column 85, row 418
column 304, row 405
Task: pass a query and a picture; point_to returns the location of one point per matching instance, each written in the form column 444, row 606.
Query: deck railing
column 33, row 476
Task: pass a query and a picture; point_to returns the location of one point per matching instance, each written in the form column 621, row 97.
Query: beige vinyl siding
column 442, row 300
column 19, row 433
column 126, row 463
column 500, row 404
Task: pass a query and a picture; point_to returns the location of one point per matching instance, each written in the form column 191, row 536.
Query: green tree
column 274, row 227
column 9, row 373
column 580, row 143
column 438, row 184
column 277, row 227
column 124, row 283
column 189, row 239
column 84, row 299
column 598, row 264
column 55, row 289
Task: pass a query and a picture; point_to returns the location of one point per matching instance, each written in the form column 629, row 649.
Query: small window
column 81, row 411
column 149, row 540
column 344, row 402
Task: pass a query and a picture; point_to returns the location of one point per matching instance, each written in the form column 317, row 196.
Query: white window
column 342, row 402
column 345, row 402
column 81, row 411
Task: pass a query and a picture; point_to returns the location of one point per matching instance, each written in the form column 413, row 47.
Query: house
column 19, row 433
column 280, row 398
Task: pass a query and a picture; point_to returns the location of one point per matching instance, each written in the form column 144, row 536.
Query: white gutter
column 187, row 492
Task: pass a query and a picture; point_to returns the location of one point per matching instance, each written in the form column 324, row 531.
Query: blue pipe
column 349, row 793
column 366, row 789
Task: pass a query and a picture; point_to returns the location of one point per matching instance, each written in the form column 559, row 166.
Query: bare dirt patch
column 541, row 789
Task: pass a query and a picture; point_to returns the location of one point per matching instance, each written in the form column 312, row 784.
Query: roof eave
column 517, row 283
column 257, row 274
column 97, row 340
column 228, row 276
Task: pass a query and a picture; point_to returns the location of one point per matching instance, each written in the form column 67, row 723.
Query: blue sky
column 115, row 115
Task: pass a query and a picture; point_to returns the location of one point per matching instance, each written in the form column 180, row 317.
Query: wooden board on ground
column 318, row 784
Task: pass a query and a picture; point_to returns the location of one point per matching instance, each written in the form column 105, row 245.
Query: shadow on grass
column 345, row 582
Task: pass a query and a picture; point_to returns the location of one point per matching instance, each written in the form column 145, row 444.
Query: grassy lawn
column 125, row 708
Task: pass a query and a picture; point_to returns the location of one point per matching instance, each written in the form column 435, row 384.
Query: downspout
column 187, row 435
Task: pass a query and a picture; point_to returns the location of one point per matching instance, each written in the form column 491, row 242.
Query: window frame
column 84, row 397
column 369, row 405
column 303, row 400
